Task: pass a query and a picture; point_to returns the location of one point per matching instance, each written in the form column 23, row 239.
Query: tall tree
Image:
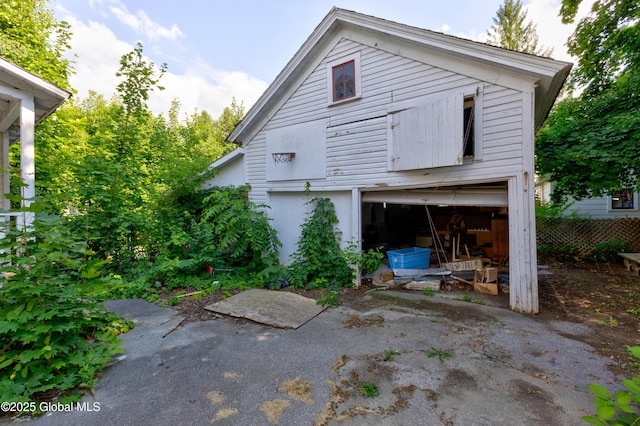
column 114, row 178
column 590, row 145
column 512, row 31
column 606, row 42
column 32, row 38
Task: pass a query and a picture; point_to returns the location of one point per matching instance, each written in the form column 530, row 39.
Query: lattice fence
column 584, row 234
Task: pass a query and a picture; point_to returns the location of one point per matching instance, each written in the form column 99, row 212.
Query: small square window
column 344, row 81
column 622, row 199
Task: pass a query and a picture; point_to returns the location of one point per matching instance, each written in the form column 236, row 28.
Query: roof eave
column 548, row 74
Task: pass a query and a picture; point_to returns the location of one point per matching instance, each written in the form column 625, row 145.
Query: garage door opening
column 473, row 221
column 478, row 231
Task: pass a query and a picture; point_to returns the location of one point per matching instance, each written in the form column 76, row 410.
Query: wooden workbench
column 631, row 261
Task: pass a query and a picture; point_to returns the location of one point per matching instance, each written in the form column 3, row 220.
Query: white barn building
column 388, row 120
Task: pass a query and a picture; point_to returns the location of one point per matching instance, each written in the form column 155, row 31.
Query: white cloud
column 205, row 89
column 143, row 24
column 98, row 51
column 551, row 31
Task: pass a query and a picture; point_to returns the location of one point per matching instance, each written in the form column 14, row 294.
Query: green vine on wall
column 319, row 257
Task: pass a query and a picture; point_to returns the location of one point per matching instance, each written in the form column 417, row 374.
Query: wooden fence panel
column 584, row 234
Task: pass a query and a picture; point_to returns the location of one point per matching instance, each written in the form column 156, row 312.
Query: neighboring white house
column 25, row 100
column 621, row 204
column 230, row 169
column 389, row 120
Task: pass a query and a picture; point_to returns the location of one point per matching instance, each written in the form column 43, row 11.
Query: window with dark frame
column 468, row 123
column 622, row 199
column 344, row 81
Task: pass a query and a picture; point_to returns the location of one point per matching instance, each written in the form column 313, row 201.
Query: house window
column 468, row 123
column 622, row 199
column 344, row 81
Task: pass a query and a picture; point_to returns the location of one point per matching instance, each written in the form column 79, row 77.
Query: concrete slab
column 277, row 308
column 496, row 367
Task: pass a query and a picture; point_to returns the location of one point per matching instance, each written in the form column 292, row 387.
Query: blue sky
column 219, row 50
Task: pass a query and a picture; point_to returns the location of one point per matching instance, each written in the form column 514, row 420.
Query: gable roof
column 547, row 74
column 15, row 83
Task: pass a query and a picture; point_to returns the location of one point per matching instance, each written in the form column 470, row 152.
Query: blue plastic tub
column 409, row 258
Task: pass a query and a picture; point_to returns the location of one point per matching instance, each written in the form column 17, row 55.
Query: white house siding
column 293, row 209
column 599, row 208
column 593, row 208
column 231, row 173
column 357, row 144
column 357, row 134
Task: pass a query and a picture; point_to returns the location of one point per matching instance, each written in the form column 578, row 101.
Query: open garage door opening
column 458, row 222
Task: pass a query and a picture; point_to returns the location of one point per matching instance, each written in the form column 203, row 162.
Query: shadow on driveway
column 423, row 360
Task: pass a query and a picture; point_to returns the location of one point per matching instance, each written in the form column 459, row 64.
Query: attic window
column 343, row 79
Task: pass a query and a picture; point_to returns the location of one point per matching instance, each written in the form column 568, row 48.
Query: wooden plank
column 631, row 262
column 277, row 308
column 634, row 257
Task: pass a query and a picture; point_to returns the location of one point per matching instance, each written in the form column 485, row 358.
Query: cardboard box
column 485, row 281
column 486, row 288
column 464, row 265
column 386, row 276
column 486, row 275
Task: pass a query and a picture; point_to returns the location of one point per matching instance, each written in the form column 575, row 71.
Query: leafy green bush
column 607, row 251
column 223, row 228
column 551, row 209
column 56, row 336
column 367, row 260
column 319, row 254
column 561, row 252
column 623, row 408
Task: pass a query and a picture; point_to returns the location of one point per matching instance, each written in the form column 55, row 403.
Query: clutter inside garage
column 439, row 246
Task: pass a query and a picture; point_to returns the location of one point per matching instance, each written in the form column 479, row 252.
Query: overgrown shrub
column 219, row 227
column 607, row 251
column 367, row 260
column 623, row 408
column 55, row 336
column 233, row 231
column 560, row 252
column 319, row 255
column 551, row 209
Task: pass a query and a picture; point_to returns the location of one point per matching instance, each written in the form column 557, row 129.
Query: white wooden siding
column 357, row 133
column 307, row 142
column 599, row 208
column 427, row 135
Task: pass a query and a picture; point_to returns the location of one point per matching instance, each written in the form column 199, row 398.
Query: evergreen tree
column 512, row 31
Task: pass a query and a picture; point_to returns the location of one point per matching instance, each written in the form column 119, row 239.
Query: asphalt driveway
column 432, row 360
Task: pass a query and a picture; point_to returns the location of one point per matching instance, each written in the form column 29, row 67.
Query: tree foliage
column 32, row 38
column 590, row 145
column 606, row 42
column 512, row 31
column 54, row 335
column 111, row 167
